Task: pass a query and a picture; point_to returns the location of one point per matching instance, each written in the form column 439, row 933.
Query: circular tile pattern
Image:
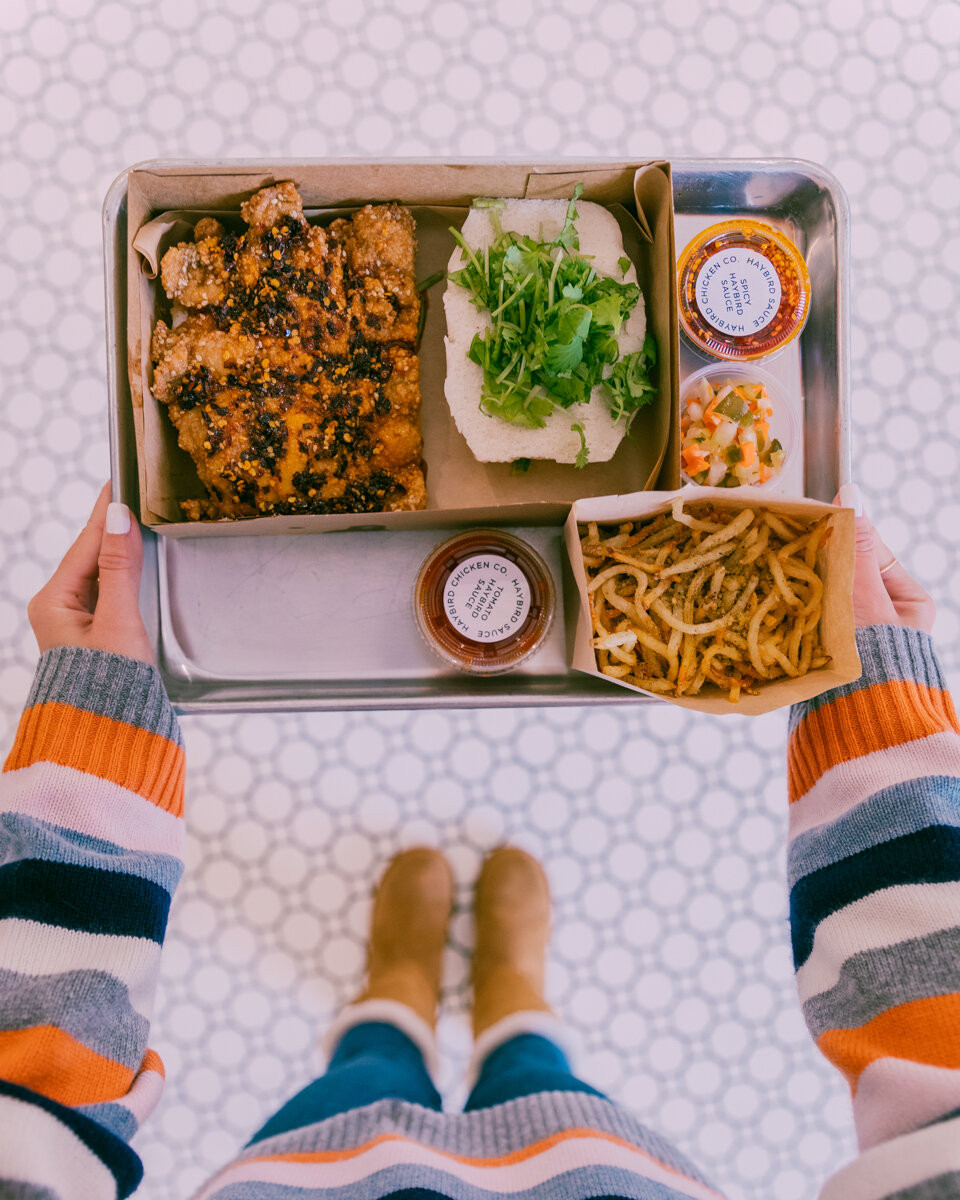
column 661, row 832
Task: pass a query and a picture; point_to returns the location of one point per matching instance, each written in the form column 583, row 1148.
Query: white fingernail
column 118, row 518
column 850, row 496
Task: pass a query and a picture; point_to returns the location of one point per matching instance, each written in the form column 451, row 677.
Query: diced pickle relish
column 726, row 435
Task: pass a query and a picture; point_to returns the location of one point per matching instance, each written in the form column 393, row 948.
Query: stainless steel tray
column 335, row 628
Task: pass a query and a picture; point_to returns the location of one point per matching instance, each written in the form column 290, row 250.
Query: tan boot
column 411, row 912
column 512, row 910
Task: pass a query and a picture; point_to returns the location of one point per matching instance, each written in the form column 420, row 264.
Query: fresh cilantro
column 628, row 385
column 520, row 466
column 569, row 238
column 554, row 324
column 624, row 264
column 583, row 453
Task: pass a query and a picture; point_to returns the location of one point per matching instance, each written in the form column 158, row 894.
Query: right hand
column 893, row 598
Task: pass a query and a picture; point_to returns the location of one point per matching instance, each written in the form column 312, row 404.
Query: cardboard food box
column 163, row 205
column 835, row 564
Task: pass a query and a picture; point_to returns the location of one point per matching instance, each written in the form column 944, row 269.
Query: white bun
column 491, row 439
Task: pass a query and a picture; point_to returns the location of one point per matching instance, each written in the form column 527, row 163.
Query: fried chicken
column 293, row 381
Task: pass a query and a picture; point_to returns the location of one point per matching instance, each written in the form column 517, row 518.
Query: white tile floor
column 663, row 833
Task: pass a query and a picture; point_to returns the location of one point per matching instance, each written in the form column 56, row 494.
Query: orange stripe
column 922, row 1031
column 153, row 1062
column 51, row 1062
column 885, row 714
column 140, row 761
column 505, row 1160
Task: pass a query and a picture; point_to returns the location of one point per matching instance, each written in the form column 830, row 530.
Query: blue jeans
column 376, row 1061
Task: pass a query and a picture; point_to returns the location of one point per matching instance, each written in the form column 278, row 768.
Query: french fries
column 704, row 596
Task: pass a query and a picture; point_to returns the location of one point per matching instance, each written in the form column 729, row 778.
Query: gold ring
column 891, row 563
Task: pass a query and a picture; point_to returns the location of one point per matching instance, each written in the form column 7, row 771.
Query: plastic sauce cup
column 484, row 601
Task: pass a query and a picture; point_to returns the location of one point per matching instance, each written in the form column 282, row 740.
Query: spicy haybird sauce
column 484, row 601
column 744, row 290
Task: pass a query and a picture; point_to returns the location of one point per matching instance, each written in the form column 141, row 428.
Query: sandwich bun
column 491, row 438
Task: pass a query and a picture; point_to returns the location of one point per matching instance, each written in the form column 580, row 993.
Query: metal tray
column 335, row 627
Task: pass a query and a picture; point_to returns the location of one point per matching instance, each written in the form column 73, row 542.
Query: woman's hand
column 92, row 599
column 883, row 592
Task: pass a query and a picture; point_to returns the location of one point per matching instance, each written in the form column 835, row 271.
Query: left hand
column 93, row 598
column 884, row 593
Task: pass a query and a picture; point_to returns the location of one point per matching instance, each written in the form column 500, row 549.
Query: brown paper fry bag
column 835, row 563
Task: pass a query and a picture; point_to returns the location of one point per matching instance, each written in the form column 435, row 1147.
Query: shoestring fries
column 704, row 596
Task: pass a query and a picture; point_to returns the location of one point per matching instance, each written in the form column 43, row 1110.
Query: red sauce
column 744, row 290
column 484, row 601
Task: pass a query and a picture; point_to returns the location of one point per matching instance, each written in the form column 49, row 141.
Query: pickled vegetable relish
column 726, row 435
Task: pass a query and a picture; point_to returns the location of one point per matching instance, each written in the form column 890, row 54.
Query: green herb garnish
column 555, row 323
column 583, row 453
column 520, row 466
column 624, row 264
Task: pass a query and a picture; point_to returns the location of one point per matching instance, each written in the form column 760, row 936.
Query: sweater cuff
column 900, row 697
column 109, row 685
column 888, row 653
column 105, row 715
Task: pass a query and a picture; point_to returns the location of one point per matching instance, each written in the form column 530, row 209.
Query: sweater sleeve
column 874, row 873
column 91, row 850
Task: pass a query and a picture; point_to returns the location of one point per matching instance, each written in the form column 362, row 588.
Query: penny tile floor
column 663, row 833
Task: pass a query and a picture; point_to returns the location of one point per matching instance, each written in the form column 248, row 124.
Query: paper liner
column 460, row 490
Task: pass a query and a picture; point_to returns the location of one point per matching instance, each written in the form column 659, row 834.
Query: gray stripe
column 109, row 685
column 941, row 1187
column 890, row 812
column 886, row 652
column 92, row 1006
column 16, row 1189
column 115, row 1117
column 25, row 837
column 584, row 1183
column 874, row 980
column 486, row 1133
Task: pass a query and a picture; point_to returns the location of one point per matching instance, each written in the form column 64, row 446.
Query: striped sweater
column 90, row 852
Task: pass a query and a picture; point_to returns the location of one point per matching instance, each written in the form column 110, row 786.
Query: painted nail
column 118, row 518
column 850, row 496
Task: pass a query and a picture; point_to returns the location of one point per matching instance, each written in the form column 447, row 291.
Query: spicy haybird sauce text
column 744, row 290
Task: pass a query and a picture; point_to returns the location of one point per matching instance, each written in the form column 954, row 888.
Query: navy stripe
column 886, row 652
column 929, row 856
column 889, row 813
column 84, row 898
column 116, row 1155
column 23, row 837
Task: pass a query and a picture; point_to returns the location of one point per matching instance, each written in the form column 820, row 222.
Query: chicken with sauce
column 293, row 379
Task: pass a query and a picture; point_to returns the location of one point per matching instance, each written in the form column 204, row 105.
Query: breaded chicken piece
column 195, row 275
column 335, row 445
column 288, row 381
column 380, row 249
